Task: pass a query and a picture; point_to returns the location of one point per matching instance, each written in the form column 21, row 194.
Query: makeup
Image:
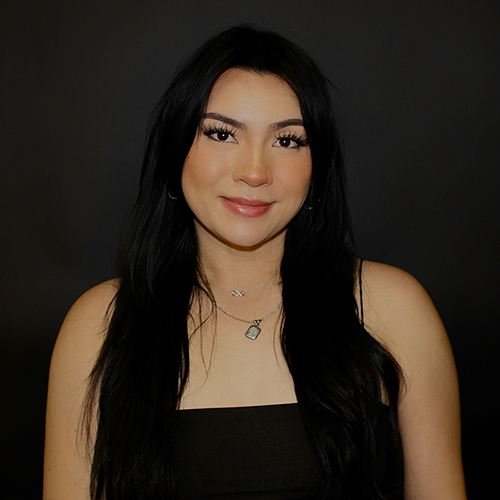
column 246, row 207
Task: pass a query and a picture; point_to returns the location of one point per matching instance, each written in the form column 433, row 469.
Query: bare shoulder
column 81, row 333
column 397, row 308
column 384, row 285
column 83, row 328
column 66, row 469
column 93, row 305
column 400, row 314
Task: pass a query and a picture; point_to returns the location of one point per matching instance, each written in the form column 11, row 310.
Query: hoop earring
column 171, row 197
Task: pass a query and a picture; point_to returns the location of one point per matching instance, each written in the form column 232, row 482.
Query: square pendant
column 253, row 332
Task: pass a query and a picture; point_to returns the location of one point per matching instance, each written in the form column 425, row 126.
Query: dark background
column 419, row 109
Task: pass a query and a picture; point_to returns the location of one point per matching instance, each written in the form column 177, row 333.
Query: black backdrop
column 420, row 113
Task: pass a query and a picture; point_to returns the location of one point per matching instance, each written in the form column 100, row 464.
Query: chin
column 241, row 237
column 246, row 243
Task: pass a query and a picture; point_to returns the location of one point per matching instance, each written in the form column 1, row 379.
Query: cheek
column 298, row 178
column 201, row 171
column 195, row 171
column 306, row 177
column 306, row 172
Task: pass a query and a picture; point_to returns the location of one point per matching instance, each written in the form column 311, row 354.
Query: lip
column 246, row 207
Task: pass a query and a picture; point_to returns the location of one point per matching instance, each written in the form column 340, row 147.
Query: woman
column 245, row 351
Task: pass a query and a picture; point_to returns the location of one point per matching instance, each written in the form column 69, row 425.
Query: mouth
column 246, row 207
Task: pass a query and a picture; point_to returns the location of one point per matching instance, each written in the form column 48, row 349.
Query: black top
column 256, row 452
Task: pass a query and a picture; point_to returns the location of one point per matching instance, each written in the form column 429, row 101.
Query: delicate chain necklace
column 241, row 293
column 253, row 332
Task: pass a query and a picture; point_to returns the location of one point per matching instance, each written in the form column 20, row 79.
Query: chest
column 228, row 369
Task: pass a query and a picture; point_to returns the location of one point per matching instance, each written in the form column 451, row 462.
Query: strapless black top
column 247, row 453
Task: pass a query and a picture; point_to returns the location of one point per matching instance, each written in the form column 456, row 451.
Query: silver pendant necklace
column 253, row 331
column 241, row 293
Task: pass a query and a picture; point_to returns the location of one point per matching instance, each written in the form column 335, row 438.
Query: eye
column 220, row 134
column 290, row 141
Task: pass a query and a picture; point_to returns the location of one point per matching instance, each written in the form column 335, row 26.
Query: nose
column 253, row 167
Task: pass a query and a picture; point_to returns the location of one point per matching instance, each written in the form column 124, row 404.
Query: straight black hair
column 341, row 373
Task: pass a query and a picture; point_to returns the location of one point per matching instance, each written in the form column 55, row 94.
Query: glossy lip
column 246, row 207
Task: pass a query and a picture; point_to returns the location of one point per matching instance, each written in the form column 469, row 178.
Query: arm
column 66, row 467
column 400, row 314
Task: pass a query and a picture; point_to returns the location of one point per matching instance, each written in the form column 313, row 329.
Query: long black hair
column 341, row 373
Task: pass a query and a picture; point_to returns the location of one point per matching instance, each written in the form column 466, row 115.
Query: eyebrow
column 237, row 124
column 225, row 119
column 287, row 123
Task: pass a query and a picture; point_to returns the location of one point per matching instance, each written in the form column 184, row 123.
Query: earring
column 171, row 197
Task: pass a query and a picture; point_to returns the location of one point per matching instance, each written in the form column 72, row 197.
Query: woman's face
column 248, row 171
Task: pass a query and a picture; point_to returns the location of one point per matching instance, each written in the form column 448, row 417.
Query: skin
column 240, row 251
column 252, row 158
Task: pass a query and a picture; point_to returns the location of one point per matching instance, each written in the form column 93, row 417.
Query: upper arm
column 400, row 314
column 66, row 468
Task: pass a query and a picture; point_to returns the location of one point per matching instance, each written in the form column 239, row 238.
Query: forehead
column 239, row 88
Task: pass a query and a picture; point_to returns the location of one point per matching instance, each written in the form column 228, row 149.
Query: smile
column 246, row 207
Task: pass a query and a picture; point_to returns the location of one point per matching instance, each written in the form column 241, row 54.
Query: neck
column 239, row 268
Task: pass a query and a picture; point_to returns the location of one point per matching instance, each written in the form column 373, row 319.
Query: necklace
column 241, row 293
column 253, row 331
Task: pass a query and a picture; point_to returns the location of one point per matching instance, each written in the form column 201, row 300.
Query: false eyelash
column 211, row 129
column 301, row 141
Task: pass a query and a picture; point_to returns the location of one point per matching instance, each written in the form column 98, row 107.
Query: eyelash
column 300, row 141
column 211, row 130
